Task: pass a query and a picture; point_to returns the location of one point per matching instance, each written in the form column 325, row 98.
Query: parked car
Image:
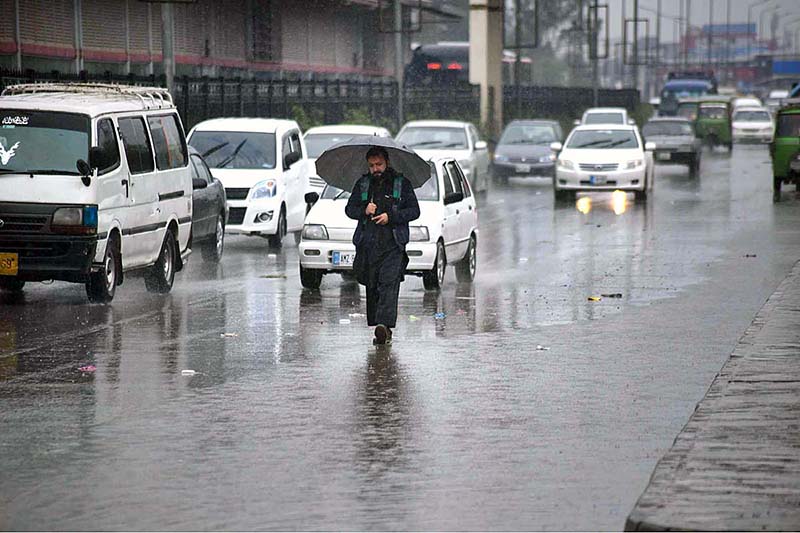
column 262, row 164
column 713, row 124
column 445, row 233
column 433, row 139
column 321, row 138
column 752, row 124
column 605, row 115
column 96, row 182
column 775, row 100
column 209, row 210
column 524, row 149
column 676, row 142
column 603, row 158
column 785, row 147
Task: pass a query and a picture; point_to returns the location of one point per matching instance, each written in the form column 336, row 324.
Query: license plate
column 597, row 180
column 523, row 168
column 9, row 264
column 343, row 258
column 664, row 156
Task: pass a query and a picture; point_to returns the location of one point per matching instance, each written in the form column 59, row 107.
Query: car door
column 296, row 205
column 459, row 235
column 202, row 208
column 469, row 214
column 450, row 230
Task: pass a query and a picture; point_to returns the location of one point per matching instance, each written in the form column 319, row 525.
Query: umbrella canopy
column 342, row 165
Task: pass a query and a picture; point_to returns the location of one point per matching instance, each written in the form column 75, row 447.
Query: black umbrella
column 343, row 164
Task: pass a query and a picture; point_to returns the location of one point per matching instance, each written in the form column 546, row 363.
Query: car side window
column 451, row 170
column 137, row 145
column 475, row 135
column 168, row 142
column 107, row 141
column 287, row 147
column 202, row 169
column 464, row 183
column 296, row 146
column 448, row 185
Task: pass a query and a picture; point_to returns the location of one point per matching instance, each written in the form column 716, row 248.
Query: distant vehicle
column 209, row 210
column 676, row 142
column 433, row 139
column 321, row 138
column 445, row 233
column 524, row 149
column 745, row 101
column 785, row 148
column 262, row 164
column 603, row 158
column 713, row 124
column 677, row 88
column 775, row 100
column 446, row 63
column 752, row 124
column 687, row 108
column 96, row 182
column 605, row 115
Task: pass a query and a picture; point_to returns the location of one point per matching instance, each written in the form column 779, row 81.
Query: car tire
column 212, row 249
column 276, row 241
column 433, row 279
column 161, row 275
column 310, row 278
column 102, row 285
column 694, row 167
column 12, row 285
column 640, row 196
column 298, row 236
column 466, row 268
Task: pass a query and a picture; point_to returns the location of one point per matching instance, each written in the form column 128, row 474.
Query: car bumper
column 756, row 138
column 45, row 257
column 508, row 170
column 318, row 255
column 579, row 180
column 673, row 157
column 253, row 218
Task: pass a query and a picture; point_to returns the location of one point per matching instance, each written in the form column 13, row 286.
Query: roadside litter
column 188, row 372
column 750, row 255
column 344, row 321
column 440, row 316
column 412, row 318
column 612, row 295
column 594, row 298
column 357, row 315
column 87, row 369
column 540, row 348
column 223, row 335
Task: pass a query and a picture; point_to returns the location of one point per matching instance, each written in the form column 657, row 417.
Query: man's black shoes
column 382, row 334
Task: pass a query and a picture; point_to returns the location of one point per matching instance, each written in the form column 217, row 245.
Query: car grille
column 22, row 223
column 316, row 181
column 236, row 215
column 599, row 167
column 35, row 249
column 236, row 193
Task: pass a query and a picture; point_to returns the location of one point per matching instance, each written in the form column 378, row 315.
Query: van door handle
column 127, row 187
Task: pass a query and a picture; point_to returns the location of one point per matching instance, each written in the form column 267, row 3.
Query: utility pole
column 728, row 42
column 636, row 44
column 682, row 32
column 398, row 61
column 168, row 44
column 710, row 33
column 658, row 37
column 688, row 26
column 593, row 52
column 623, row 48
column 517, row 61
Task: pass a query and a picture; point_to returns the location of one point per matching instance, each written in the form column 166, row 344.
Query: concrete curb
column 736, row 463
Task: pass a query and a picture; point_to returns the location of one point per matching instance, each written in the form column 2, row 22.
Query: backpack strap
column 363, row 184
column 398, row 187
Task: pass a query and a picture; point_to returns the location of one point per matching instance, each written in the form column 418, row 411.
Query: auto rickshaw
column 687, row 108
column 785, row 147
column 713, row 124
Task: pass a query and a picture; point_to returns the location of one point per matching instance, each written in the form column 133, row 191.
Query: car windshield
column 714, row 112
column 752, row 116
column 666, row 128
column 429, row 192
column 788, row 125
column 316, row 143
column 687, row 110
column 432, row 138
column 234, row 149
column 603, row 139
column 540, row 134
column 604, row 118
column 688, row 91
column 42, row 142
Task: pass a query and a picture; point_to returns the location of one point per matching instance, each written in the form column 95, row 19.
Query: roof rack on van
column 158, row 97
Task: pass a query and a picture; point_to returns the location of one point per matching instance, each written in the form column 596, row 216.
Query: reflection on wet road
column 527, row 406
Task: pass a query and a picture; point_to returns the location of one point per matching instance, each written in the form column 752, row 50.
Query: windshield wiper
column 593, row 143
column 233, row 155
column 339, row 194
column 426, row 143
column 214, row 149
column 50, row 171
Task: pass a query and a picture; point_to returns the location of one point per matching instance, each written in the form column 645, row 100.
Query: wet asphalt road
column 294, row 421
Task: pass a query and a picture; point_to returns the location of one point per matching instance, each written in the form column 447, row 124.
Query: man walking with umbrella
column 383, row 202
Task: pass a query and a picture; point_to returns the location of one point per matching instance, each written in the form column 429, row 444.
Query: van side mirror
column 481, row 145
column 290, row 159
column 649, row 146
column 453, row 198
column 83, row 167
column 556, row 147
column 576, row 122
column 312, row 198
column 199, row 183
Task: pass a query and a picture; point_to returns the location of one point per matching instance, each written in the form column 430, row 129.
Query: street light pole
column 636, row 44
column 710, row 33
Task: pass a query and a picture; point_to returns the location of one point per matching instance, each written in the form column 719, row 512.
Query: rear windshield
column 603, row 139
column 316, row 143
column 712, row 112
column 540, row 134
column 434, row 138
column 752, row 116
column 788, row 125
column 666, row 128
column 42, row 142
column 687, row 110
column 429, row 192
column 603, row 118
column 236, row 150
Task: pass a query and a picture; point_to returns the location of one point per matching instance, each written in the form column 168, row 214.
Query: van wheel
column 212, row 249
column 102, row 285
column 161, row 275
column 465, row 269
column 11, row 284
column 310, row 278
column 276, row 241
column 433, row 279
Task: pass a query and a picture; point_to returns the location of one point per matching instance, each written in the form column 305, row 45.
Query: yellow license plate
column 9, row 264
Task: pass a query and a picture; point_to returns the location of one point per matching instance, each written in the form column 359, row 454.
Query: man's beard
column 377, row 174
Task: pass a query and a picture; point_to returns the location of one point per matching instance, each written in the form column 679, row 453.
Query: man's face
column 377, row 165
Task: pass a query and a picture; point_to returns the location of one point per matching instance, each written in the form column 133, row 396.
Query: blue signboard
column 785, row 67
column 733, row 29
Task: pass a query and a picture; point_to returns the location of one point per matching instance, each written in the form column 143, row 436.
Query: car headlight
column 75, row 220
column 768, row 129
column 315, row 232
column 500, row 158
column 264, row 189
column 549, row 158
column 565, row 163
column 418, row 234
column 636, row 163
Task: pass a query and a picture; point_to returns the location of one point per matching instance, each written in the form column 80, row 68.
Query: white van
column 263, row 165
column 94, row 182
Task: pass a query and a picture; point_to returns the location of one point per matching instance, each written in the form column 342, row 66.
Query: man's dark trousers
column 385, row 272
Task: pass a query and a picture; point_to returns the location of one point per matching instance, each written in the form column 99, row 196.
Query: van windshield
column 235, row 149
column 42, row 142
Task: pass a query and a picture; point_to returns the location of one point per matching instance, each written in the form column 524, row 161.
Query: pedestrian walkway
column 736, row 464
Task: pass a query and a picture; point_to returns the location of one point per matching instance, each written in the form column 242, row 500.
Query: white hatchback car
column 321, row 138
column 752, row 124
column 445, row 233
column 603, row 158
column 432, row 139
column 605, row 115
column 262, row 164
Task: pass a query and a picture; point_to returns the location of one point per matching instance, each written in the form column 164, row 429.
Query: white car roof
column 354, row 129
column 605, row 127
column 606, row 110
column 435, row 124
column 779, row 93
column 752, row 108
column 92, row 104
column 255, row 125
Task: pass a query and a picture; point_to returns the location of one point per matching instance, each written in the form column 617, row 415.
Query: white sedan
column 603, row 158
column 752, row 124
column 445, row 233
